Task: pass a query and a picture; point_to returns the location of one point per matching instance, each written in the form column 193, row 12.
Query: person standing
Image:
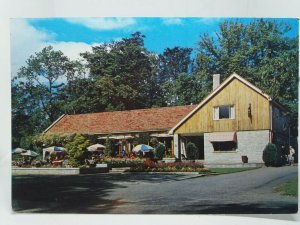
column 292, row 156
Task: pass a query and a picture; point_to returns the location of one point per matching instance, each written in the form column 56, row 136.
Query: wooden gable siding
column 235, row 93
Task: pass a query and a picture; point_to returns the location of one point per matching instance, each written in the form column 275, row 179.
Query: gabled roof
column 217, row 90
column 142, row 120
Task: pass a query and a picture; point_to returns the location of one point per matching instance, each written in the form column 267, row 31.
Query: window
column 224, row 146
column 223, row 112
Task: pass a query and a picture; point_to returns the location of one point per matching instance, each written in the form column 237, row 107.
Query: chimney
column 216, row 81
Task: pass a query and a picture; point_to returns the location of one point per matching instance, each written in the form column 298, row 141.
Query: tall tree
column 173, row 62
column 185, row 90
column 175, row 71
column 123, row 72
column 260, row 51
column 36, row 92
column 43, row 78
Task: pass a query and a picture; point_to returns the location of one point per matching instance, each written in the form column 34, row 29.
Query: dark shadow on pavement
column 73, row 193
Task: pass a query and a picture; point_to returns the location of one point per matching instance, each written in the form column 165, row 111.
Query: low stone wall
column 57, row 171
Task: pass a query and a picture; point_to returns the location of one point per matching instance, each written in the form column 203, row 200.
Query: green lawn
column 231, row 170
column 289, row 188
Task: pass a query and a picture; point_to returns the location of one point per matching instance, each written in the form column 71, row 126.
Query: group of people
column 289, row 155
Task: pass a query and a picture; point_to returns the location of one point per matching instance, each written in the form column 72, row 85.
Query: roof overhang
column 56, row 121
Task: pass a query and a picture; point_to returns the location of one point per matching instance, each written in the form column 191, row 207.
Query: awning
column 222, row 137
column 117, row 137
column 161, row 135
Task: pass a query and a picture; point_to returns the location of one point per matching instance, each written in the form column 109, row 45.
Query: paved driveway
column 245, row 192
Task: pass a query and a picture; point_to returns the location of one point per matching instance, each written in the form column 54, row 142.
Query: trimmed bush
column 191, row 151
column 77, row 149
column 160, row 151
column 271, row 155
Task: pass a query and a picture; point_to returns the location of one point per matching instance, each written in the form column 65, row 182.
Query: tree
column 271, row 155
column 124, row 73
column 184, row 90
column 76, row 149
column 173, row 62
column 191, row 151
column 38, row 98
column 259, row 51
column 160, row 151
column 41, row 79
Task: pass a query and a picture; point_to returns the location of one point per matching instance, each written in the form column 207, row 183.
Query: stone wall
column 250, row 144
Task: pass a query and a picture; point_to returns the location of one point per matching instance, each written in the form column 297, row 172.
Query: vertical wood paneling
column 235, row 93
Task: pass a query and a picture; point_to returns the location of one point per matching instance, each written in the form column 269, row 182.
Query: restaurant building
column 233, row 123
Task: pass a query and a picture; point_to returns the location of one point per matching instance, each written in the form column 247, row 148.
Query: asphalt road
column 249, row 192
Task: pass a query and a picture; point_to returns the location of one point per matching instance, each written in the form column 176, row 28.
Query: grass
column 231, row 170
column 289, row 188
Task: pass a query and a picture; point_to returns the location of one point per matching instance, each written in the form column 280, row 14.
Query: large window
column 224, row 146
column 223, row 112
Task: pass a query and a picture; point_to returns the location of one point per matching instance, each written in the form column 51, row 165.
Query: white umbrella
column 95, row 147
column 18, row 150
column 52, row 149
column 30, row 153
column 143, row 148
column 55, row 148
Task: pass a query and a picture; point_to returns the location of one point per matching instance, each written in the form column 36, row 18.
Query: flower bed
column 169, row 167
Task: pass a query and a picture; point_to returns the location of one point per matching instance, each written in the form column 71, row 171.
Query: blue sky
column 75, row 35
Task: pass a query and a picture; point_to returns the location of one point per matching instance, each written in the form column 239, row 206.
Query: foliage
column 171, row 167
column 109, row 144
column 154, row 142
column 76, row 149
column 26, row 142
column 173, row 62
column 271, row 155
column 160, row 151
column 143, row 138
column 191, row 151
column 124, row 73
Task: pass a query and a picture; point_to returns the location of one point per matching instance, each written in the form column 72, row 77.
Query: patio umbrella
column 52, row 149
column 55, row 148
column 30, row 153
column 95, row 147
column 143, row 148
column 18, row 150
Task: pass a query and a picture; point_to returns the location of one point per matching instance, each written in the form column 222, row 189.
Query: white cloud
column 103, row 23
column 172, row 21
column 26, row 40
column 209, row 20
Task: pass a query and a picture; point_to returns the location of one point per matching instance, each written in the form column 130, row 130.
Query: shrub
column 160, row 151
column 109, row 144
column 191, row 151
column 76, row 149
column 271, row 155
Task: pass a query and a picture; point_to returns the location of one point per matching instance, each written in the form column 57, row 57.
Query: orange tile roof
column 154, row 119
